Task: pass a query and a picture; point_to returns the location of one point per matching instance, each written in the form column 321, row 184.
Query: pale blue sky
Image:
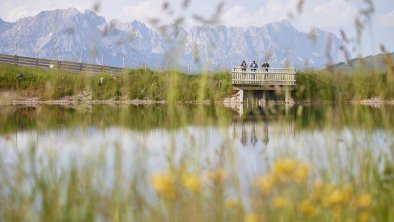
column 330, row 15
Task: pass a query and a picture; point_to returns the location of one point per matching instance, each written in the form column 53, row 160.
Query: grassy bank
column 324, row 85
column 173, row 85
column 130, row 84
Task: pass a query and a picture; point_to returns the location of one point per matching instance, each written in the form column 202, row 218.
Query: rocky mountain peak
column 68, row 34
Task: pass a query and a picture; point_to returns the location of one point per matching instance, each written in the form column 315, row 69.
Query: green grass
column 130, row 84
column 342, row 87
column 177, row 86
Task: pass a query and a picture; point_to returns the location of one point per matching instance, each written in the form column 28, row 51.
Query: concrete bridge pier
column 287, row 96
column 262, row 96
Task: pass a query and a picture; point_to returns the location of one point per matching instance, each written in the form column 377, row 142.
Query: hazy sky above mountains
column 329, row 15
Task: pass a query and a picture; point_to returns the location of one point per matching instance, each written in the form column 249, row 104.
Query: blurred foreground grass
column 177, row 86
column 39, row 188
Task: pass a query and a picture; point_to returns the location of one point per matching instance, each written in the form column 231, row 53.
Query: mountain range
column 68, row 34
column 379, row 63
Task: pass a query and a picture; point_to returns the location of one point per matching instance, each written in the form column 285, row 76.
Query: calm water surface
column 245, row 139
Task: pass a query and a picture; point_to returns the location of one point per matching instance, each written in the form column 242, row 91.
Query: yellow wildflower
column 301, row 173
column 364, row 200
column 164, row 184
column 307, row 208
column 191, row 182
column 347, row 193
column 251, row 217
column 280, row 202
column 290, row 170
column 284, row 167
column 335, row 197
column 320, row 190
column 317, row 191
column 217, row 176
column 336, row 213
column 265, row 184
column 363, row 216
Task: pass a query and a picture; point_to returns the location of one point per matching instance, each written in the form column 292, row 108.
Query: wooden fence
column 52, row 64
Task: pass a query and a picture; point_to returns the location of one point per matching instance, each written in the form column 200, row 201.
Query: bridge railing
column 263, row 76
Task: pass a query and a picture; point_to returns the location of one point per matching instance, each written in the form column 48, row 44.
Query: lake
column 115, row 146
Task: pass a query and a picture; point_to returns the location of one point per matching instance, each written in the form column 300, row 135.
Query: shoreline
column 83, row 98
column 65, row 102
column 34, row 102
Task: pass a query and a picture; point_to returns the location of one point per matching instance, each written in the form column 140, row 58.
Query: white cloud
column 148, row 9
column 12, row 10
column 141, row 11
column 330, row 15
column 17, row 12
column 238, row 16
column 387, row 20
column 273, row 11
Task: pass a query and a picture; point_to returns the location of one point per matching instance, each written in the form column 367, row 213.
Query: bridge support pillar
column 241, row 95
column 287, row 96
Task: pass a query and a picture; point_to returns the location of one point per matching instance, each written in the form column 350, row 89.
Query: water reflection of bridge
column 262, row 123
column 253, row 132
column 248, row 109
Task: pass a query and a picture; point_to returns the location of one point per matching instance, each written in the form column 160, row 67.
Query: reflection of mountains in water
column 262, row 123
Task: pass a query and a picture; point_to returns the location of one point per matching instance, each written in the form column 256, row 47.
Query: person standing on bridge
column 243, row 66
column 254, row 66
column 266, row 65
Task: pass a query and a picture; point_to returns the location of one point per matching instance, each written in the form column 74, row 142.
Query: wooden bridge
column 262, row 80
